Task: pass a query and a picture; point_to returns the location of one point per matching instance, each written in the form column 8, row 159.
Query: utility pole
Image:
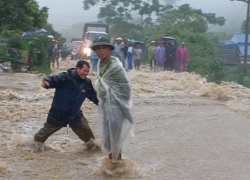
column 246, row 34
column 246, row 30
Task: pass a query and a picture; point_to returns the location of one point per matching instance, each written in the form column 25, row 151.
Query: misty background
column 68, row 16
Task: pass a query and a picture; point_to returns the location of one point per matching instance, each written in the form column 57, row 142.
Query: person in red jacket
column 181, row 59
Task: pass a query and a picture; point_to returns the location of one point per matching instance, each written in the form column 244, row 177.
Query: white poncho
column 115, row 104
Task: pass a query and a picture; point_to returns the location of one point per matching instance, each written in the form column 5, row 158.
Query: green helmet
column 101, row 41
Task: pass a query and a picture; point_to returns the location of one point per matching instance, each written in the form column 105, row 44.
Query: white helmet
column 50, row 36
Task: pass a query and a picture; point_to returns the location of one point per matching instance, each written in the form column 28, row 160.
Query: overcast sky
column 64, row 13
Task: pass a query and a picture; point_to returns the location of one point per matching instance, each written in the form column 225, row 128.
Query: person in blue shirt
column 71, row 89
column 64, row 52
column 94, row 59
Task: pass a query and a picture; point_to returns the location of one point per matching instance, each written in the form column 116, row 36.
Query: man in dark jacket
column 72, row 88
column 170, row 56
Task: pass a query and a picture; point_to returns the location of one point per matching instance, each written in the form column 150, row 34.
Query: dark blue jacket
column 70, row 93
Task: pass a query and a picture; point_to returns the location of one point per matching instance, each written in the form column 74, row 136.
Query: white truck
column 91, row 31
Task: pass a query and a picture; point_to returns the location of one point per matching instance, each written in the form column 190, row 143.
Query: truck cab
column 89, row 37
column 92, row 31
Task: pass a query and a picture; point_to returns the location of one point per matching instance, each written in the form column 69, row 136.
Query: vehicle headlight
column 87, row 51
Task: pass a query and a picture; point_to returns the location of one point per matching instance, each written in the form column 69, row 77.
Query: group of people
column 127, row 51
column 56, row 50
column 166, row 56
column 112, row 94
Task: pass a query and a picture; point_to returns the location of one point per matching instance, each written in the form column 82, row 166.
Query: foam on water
column 26, row 143
column 233, row 95
column 3, row 167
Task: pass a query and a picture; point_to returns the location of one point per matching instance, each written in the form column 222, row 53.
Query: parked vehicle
column 91, row 31
column 98, row 27
column 76, row 49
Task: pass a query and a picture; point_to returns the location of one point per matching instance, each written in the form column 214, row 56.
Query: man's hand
column 45, row 84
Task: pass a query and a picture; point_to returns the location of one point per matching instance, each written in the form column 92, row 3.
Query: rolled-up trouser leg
column 119, row 157
column 43, row 134
column 82, row 129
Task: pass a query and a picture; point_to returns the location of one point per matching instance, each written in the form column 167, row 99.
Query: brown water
column 185, row 128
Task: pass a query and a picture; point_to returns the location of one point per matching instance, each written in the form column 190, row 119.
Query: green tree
column 191, row 25
column 22, row 15
column 115, row 10
column 120, row 15
column 38, row 55
column 187, row 18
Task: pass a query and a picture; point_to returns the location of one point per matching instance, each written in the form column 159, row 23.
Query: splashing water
column 23, row 142
column 121, row 168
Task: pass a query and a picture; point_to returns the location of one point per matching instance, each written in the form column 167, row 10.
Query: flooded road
column 185, row 128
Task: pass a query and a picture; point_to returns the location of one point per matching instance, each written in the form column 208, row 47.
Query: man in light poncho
column 115, row 99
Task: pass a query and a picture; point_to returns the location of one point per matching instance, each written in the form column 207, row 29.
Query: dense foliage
column 38, row 54
column 35, row 45
column 17, row 17
column 22, row 15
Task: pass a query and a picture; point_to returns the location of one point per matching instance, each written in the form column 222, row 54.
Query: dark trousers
column 81, row 128
column 169, row 64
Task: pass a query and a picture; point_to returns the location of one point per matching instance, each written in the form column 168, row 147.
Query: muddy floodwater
column 185, row 129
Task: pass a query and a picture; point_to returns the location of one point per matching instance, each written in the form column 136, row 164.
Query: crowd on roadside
column 164, row 55
column 127, row 51
column 167, row 56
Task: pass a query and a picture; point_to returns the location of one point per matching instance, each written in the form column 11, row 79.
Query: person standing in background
column 118, row 50
column 94, row 60
column 137, row 53
column 171, row 55
column 51, row 47
column 55, row 55
column 151, row 55
column 160, row 56
column 129, row 56
column 64, row 52
column 181, row 59
column 125, row 53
